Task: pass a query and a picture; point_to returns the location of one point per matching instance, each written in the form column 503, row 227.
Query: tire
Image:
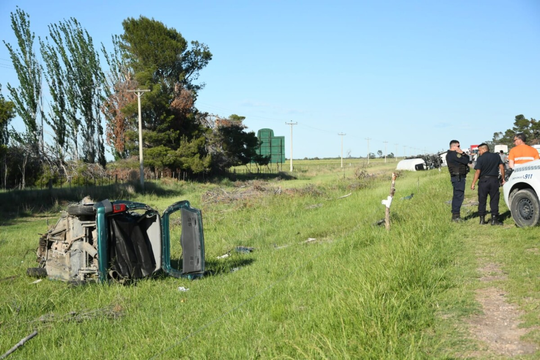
column 525, row 208
column 80, row 210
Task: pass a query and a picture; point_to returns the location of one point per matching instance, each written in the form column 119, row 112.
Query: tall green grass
column 324, row 281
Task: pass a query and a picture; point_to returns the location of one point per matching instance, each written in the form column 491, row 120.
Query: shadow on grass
column 214, row 268
column 230, row 265
column 227, row 266
column 502, row 217
column 25, row 203
column 505, row 215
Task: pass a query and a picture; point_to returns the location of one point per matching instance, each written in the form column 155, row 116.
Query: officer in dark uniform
column 458, row 166
column 488, row 167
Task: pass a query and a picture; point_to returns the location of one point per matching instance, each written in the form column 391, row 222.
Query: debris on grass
column 248, row 190
column 281, row 247
column 19, row 344
column 9, row 278
column 244, row 249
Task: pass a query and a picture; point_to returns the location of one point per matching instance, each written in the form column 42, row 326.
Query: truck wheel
column 525, row 208
column 80, row 210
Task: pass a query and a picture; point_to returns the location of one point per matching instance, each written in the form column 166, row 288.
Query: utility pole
column 368, row 149
column 139, row 93
column 342, row 135
column 385, row 142
column 396, row 151
column 291, row 123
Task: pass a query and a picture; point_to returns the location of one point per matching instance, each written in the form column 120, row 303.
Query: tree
column 161, row 61
column 75, row 78
column 161, row 54
column 231, row 145
column 192, row 159
column 119, row 94
column 7, row 113
column 379, row 153
column 27, row 97
column 531, row 129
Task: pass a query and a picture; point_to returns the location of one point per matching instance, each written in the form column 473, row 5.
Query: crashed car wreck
column 119, row 240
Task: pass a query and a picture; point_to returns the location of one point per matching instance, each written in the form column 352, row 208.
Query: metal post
column 139, row 93
column 385, row 152
column 342, row 134
column 291, row 123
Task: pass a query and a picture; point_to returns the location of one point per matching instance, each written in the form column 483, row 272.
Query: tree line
column 529, row 127
column 91, row 109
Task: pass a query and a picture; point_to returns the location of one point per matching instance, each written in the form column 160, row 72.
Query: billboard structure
column 273, row 146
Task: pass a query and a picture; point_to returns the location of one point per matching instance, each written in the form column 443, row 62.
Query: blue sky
column 408, row 75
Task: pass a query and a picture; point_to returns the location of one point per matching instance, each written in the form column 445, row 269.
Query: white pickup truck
column 521, row 192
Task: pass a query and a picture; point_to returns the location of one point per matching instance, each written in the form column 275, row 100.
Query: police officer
column 458, row 166
column 488, row 167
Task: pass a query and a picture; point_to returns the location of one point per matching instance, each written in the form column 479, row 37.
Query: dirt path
column 497, row 329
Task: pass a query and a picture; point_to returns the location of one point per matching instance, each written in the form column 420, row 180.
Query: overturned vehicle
column 119, row 240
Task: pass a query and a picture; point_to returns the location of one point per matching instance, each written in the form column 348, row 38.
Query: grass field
column 324, row 282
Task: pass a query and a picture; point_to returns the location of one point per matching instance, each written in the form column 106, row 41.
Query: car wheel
column 80, row 210
column 525, row 208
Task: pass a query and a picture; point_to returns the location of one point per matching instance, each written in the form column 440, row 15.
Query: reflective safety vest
column 522, row 154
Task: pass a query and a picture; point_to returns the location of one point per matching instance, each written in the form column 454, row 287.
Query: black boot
column 456, row 218
column 495, row 221
column 483, row 220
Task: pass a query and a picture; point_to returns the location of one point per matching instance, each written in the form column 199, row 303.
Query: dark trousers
column 488, row 186
column 458, row 183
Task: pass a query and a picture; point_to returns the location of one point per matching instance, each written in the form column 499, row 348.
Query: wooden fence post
column 388, row 202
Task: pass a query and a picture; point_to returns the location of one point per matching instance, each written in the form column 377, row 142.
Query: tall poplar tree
column 76, row 79
column 27, row 96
